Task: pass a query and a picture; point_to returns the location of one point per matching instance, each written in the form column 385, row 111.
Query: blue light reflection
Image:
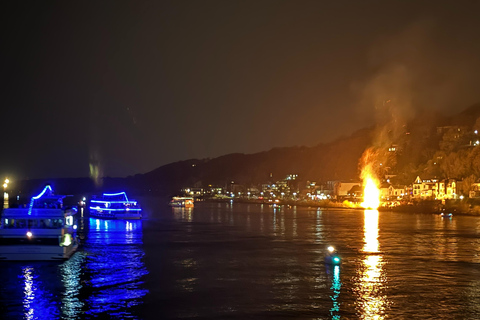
column 336, row 286
column 37, row 300
column 116, row 268
column 71, row 272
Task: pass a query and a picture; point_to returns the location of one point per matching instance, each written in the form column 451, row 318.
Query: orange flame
column 371, row 192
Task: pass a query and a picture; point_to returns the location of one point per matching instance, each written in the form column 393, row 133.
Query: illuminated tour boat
column 186, row 202
column 43, row 229
column 115, row 206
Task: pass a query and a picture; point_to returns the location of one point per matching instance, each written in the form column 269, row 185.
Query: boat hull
column 115, row 216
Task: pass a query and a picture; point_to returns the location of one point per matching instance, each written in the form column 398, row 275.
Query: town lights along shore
column 371, row 194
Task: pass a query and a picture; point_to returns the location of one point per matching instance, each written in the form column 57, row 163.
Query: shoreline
column 426, row 207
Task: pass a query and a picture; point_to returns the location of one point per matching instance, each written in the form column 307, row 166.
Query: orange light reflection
column 372, row 301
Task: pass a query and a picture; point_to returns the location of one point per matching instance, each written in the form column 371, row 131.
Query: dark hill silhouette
column 467, row 117
column 337, row 160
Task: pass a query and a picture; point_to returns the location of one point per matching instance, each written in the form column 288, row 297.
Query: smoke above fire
column 390, row 93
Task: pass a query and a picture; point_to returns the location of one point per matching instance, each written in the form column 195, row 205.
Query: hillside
column 335, row 160
column 419, row 142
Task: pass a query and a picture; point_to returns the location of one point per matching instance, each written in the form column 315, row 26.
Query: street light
column 5, row 194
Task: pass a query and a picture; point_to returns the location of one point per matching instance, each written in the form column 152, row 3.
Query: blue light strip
column 43, row 192
column 115, row 194
column 103, row 201
column 32, row 200
column 106, row 209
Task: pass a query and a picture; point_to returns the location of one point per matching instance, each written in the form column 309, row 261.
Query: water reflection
column 115, row 267
column 370, row 229
column 182, row 213
column 70, row 272
column 336, row 286
column 29, row 292
column 444, row 246
column 318, row 226
column 38, row 302
column 372, row 301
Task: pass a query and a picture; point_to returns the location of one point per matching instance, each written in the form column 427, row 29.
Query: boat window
column 57, row 223
column 42, row 223
column 9, row 223
column 21, row 223
column 32, row 223
column 46, row 223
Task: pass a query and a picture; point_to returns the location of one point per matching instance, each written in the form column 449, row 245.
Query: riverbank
column 426, row 206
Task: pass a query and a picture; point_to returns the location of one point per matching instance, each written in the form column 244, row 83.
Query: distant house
column 391, row 192
column 341, row 189
column 397, row 192
column 446, row 189
column 474, row 190
column 384, row 191
column 356, row 191
column 424, row 189
column 434, row 189
column 193, row 192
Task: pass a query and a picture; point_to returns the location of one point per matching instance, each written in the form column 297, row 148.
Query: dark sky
column 120, row 88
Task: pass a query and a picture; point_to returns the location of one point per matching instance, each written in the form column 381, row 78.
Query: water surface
column 246, row 261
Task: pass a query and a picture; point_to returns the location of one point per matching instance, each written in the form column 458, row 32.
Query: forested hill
column 337, row 160
column 423, row 140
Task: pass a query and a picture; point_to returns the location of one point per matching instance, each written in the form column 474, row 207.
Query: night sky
column 120, row 88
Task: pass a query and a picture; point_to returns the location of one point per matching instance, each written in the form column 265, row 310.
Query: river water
column 249, row 261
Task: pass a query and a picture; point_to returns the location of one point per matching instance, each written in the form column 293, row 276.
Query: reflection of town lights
column 371, row 231
column 372, row 302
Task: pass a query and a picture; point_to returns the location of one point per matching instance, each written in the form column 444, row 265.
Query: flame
column 371, row 194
